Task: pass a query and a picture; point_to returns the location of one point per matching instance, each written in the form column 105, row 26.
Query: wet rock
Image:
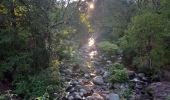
column 98, row 80
column 113, row 96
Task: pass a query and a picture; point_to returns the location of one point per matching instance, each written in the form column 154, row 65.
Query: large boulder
column 98, row 80
column 159, row 90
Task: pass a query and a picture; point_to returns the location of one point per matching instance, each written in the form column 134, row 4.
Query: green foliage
column 111, row 17
column 118, row 73
column 167, row 98
column 44, row 97
column 107, row 47
column 124, row 93
column 116, row 66
column 32, row 87
column 149, row 45
column 2, row 96
column 47, row 81
column 84, row 19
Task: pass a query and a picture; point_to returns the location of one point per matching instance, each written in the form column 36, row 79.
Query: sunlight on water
column 92, row 54
column 91, row 42
column 93, row 51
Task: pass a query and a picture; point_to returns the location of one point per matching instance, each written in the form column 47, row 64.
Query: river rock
column 106, row 74
column 92, row 74
column 113, row 96
column 68, row 71
column 131, row 74
column 77, row 96
column 159, row 90
column 109, row 62
column 95, row 96
column 141, row 75
column 74, row 83
column 70, row 89
column 87, row 76
column 98, row 80
column 81, row 94
column 70, row 98
column 83, row 91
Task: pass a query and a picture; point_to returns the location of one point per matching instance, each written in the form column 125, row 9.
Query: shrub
column 39, row 85
column 33, row 87
column 124, row 93
column 118, row 73
column 2, row 96
column 116, row 66
column 44, row 97
column 107, row 47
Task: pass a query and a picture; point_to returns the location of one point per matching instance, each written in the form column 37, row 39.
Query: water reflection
column 93, row 51
column 91, row 42
column 92, row 54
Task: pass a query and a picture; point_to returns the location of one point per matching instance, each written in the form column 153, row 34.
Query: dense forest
column 84, row 49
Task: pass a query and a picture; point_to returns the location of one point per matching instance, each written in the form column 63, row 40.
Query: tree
column 146, row 38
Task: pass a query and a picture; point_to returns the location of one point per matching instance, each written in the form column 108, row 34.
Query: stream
column 89, row 80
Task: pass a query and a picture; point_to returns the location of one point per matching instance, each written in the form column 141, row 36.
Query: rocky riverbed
column 89, row 80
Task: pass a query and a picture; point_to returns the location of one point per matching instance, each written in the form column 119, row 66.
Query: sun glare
column 91, row 6
column 92, row 54
column 91, row 42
